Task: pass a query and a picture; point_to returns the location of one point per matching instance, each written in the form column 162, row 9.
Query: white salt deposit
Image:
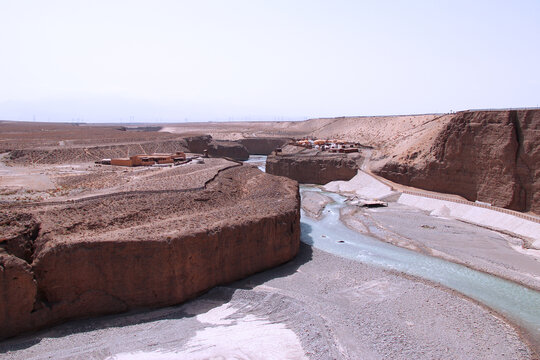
column 245, row 337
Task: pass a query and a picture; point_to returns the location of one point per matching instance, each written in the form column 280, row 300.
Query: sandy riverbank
column 476, row 247
column 453, row 239
column 463, row 243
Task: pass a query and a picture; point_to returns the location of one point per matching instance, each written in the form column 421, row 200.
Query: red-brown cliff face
column 263, row 146
column 490, row 156
column 17, row 294
column 217, row 148
column 142, row 248
column 312, row 169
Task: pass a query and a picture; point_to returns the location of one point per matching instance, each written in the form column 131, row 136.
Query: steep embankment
column 263, row 146
column 312, row 167
column 141, row 248
column 217, row 148
column 490, row 156
column 375, row 131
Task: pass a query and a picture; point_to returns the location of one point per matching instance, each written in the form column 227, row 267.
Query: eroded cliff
column 263, row 146
column 142, row 248
column 489, row 156
column 312, row 167
column 217, row 148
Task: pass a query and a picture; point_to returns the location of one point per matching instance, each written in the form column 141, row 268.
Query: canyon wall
column 217, row 148
column 489, row 156
column 312, row 169
column 263, row 146
column 142, row 248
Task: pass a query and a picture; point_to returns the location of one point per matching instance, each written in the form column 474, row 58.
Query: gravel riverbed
column 318, row 306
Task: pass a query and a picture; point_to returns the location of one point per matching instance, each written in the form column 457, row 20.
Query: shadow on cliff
column 305, row 255
column 213, row 298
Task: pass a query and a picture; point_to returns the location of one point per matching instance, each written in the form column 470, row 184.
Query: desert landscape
column 427, row 151
column 268, row 180
column 81, row 239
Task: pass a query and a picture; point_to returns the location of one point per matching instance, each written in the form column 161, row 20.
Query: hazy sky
column 173, row 60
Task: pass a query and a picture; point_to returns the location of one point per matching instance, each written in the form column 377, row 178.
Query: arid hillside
column 371, row 130
column 487, row 156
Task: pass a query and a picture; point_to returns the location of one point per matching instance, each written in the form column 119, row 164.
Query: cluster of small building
column 340, row 146
column 146, row 160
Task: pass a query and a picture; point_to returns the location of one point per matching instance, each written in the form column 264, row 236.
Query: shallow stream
column 518, row 303
column 259, row 160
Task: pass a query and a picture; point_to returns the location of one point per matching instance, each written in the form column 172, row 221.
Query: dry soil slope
column 376, row 131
